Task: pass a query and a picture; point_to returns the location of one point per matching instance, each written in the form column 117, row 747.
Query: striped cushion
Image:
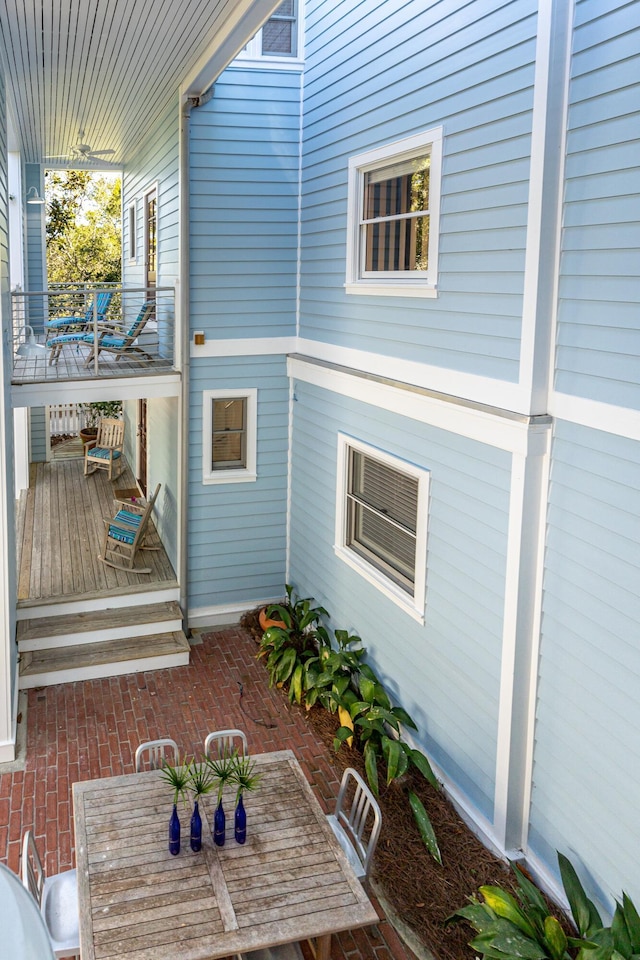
column 124, row 536
column 66, row 338
column 127, row 519
column 103, row 453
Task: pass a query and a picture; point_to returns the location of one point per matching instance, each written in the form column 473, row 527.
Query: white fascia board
column 245, row 18
column 621, row 421
column 83, row 391
column 244, row 347
column 494, row 393
column 465, row 421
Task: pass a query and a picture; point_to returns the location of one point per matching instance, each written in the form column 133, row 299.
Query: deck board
column 62, row 534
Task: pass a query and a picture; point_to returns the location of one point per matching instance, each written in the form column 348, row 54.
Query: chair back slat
column 137, row 326
column 358, row 815
column 110, row 433
column 222, row 743
column 32, row 869
column 153, row 753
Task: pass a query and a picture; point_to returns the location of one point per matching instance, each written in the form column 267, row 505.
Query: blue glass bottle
column 196, row 828
column 240, row 824
column 174, row 832
column 219, row 825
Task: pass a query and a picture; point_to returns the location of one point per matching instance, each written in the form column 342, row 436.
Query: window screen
column 229, row 446
column 279, row 32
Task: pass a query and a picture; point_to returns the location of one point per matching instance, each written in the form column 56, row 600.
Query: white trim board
column 492, row 429
column 495, row 393
column 620, row 421
column 243, row 347
column 82, row 391
column 226, row 614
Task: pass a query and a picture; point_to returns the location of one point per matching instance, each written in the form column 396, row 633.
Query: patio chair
column 286, row 951
column 105, row 452
column 102, row 303
column 57, row 897
column 118, row 341
column 356, row 821
column 124, row 535
column 225, row 742
column 151, row 754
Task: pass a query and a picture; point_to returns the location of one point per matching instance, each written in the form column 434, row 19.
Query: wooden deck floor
column 60, row 536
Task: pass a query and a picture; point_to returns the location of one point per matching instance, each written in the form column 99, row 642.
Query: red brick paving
column 79, row 731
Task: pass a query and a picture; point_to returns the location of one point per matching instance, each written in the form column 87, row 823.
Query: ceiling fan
column 82, row 151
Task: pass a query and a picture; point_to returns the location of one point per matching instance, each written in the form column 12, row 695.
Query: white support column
column 518, row 680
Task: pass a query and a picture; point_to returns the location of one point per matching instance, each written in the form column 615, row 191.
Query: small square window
column 229, row 436
column 393, row 217
column 381, row 521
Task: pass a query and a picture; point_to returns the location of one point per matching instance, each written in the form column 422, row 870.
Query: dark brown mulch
column 422, row 892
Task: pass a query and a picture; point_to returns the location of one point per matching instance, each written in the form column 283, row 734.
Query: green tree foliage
column 83, row 227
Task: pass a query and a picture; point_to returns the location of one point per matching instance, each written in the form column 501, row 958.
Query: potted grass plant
column 178, row 779
column 222, row 770
column 201, row 782
column 245, row 779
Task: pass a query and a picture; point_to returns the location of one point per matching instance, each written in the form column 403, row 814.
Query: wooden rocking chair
column 105, row 452
column 124, row 535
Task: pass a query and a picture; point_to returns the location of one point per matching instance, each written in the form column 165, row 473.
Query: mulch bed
column 422, row 893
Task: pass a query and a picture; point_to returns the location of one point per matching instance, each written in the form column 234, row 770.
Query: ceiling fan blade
column 100, row 153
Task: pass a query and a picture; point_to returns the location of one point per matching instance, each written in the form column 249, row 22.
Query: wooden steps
column 108, row 658
column 101, row 643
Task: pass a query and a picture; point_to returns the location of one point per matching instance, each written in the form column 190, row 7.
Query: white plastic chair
column 226, row 742
column 356, row 821
column 152, row 754
column 57, row 897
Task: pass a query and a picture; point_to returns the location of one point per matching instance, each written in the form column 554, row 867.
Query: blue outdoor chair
column 118, row 341
column 103, row 301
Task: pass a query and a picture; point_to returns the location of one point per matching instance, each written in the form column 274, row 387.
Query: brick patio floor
column 79, row 731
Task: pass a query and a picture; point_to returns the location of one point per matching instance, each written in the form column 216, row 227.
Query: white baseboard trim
column 225, row 614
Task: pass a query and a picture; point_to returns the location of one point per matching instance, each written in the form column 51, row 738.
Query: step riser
column 99, row 636
column 102, row 670
column 64, row 608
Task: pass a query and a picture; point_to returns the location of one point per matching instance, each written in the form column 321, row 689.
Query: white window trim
column 252, row 56
column 361, row 164
column 243, row 474
column 132, row 228
column 412, row 604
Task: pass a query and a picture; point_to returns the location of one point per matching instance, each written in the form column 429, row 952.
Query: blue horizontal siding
column 445, row 673
column 244, row 159
column 586, row 745
column 598, row 349
column 236, row 537
column 376, row 73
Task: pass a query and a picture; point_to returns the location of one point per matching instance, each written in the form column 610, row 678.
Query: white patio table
column 289, row 881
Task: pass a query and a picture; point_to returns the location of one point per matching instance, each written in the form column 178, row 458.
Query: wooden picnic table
column 290, row 881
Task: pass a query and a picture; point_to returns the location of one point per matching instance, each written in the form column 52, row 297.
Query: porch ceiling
column 101, row 71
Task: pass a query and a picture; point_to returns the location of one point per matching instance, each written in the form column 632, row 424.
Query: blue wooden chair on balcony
column 118, row 341
column 56, row 343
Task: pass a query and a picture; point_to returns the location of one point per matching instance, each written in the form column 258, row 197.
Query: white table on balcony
column 290, row 880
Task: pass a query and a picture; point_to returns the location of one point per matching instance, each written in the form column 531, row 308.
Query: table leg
column 323, row 947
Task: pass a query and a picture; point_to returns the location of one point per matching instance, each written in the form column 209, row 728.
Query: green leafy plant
column 524, row 928
column 201, row 779
column 244, row 776
column 178, row 778
column 328, row 676
column 93, row 412
column 222, row 770
column 287, row 649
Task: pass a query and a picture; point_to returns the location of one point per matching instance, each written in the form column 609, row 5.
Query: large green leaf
column 632, row 920
column 403, row 717
column 295, row 686
column 365, row 671
column 509, row 942
column 425, row 827
column 475, row 914
column 367, row 689
column 529, row 891
column 506, row 906
column 619, row 932
column 341, row 736
column 371, row 766
column 555, row 937
column 420, row 761
column 586, row 917
column 286, row 665
column 395, row 757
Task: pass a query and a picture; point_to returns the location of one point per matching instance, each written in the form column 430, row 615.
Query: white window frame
column 406, row 284
column 411, row 603
column 245, row 474
column 132, row 227
column 252, row 55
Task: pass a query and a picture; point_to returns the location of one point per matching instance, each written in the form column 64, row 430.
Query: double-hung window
column 381, row 521
column 229, row 436
column 279, row 39
column 393, row 218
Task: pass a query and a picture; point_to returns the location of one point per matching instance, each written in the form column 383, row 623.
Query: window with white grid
column 229, row 436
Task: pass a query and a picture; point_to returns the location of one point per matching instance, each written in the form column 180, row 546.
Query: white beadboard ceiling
column 101, row 71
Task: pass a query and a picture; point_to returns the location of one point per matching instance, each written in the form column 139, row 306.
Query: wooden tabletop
column 289, row 881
